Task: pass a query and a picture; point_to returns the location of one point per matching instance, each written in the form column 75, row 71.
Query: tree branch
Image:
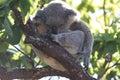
column 30, row 73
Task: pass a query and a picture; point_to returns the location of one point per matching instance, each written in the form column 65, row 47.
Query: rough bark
column 29, row 73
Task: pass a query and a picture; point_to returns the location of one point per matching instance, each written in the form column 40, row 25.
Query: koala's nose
column 54, row 30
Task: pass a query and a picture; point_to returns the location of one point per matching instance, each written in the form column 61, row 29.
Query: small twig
column 114, row 21
column 38, row 63
column 104, row 12
column 31, row 61
column 108, row 58
column 42, row 3
column 21, row 52
column 100, row 76
column 114, row 64
column 111, row 67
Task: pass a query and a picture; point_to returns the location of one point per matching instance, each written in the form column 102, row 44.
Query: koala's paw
column 86, row 61
column 54, row 38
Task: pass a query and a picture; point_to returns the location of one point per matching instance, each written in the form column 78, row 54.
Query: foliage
column 101, row 15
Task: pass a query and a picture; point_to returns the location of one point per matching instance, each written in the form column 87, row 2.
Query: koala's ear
column 41, row 15
column 69, row 12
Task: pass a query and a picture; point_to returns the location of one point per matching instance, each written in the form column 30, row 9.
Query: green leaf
column 1, row 21
column 7, row 27
column 3, row 46
column 5, row 4
column 25, row 8
column 111, row 47
column 90, row 8
column 13, row 3
column 17, row 34
column 4, row 11
column 82, row 5
column 3, row 1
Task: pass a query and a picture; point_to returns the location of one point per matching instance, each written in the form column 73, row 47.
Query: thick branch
column 30, row 73
column 57, row 52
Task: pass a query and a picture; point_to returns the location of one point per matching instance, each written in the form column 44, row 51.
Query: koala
column 44, row 31
column 62, row 24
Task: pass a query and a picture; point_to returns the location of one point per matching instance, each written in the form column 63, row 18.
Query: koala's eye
column 61, row 25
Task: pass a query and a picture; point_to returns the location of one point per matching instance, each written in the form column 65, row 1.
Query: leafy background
column 102, row 16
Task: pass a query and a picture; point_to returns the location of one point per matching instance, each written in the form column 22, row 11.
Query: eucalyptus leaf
column 3, row 1
column 3, row 46
column 7, row 27
column 17, row 34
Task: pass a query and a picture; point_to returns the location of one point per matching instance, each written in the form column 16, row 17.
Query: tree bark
column 30, row 73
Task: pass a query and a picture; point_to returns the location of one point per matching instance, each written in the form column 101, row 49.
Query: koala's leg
column 88, row 40
column 79, row 54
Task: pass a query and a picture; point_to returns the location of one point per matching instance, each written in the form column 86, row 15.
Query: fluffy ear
column 41, row 15
column 69, row 12
column 75, row 26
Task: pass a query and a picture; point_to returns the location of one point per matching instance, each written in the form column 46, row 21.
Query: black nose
column 54, row 30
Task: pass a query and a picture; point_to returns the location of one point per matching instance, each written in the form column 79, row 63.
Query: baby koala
column 71, row 41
